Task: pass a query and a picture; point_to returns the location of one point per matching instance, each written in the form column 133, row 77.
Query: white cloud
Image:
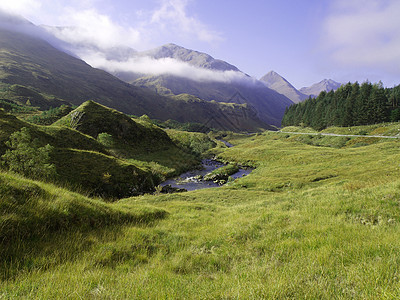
column 138, row 28
column 91, row 27
column 173, row 14
column 90, row 34
column 20, row 7
column 150, row 66
column 364, row 33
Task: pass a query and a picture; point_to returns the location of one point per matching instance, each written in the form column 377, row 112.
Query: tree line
column 350, row 105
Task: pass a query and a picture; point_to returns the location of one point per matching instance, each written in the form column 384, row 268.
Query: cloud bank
column 150, row 66
column 88, row 21
column 103, row 41
column 364, row 33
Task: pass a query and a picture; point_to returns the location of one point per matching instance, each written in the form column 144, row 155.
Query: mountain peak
column 272, row 78
column 326, row 85
column 192, row 57
column 276, row 82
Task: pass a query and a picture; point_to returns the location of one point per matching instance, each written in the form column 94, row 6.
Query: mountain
column 194, row 58
column 31, row 65
column 226, row 83
column 326, row 85
column 267, row 105
column 276, row 82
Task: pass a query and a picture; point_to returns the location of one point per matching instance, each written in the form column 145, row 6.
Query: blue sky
column 304, row 41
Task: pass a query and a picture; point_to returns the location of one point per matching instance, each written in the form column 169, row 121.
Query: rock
column 198, row 177
column 169, row 189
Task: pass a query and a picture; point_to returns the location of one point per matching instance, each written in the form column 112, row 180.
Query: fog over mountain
column 173, row 70
column 201, row 75
column 168, row 59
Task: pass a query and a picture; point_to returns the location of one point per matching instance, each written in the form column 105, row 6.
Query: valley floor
column 309, row 222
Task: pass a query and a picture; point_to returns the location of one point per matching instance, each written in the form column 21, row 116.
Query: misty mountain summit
column 192, row 57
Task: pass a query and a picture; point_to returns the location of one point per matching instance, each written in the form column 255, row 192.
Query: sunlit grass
column 309, row 222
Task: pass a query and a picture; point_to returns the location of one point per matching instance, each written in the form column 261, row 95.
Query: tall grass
column 309, row 222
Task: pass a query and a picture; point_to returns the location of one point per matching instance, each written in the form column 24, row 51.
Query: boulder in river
column 169, row 189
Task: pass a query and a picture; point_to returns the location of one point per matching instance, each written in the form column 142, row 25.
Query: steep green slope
column 104, row 152
column 32, row 62
column 36, row 217
column 93, row 119
column 81, row 162
column 138, row 141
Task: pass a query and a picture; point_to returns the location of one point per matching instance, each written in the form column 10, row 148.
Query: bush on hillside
column 26, row 157
column 105, row 139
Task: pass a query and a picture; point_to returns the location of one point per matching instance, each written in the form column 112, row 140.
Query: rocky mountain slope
column 326, row 85
column 276, row 82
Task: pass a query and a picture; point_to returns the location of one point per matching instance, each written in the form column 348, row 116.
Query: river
column 191, row 180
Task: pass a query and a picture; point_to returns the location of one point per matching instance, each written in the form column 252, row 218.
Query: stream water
column 192, row 180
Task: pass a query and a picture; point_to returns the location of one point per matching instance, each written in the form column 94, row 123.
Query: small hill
column 81, row 162
column 326, row 85
column 276, row 82
column 93, row 119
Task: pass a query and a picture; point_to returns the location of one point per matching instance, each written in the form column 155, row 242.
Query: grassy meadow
column 309, row 222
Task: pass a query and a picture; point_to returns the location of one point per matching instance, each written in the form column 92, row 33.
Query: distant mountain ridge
column 326, row 85
column 276, row 82
column 267, row 103
column 220, row 81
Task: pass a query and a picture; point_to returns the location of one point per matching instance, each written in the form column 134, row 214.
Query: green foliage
column 50, row 116
column 105, row 139
column 26, row 157
column 350, row 105
column 222, row 173
column 13, row 107
column 188, row 126
column 192, row 142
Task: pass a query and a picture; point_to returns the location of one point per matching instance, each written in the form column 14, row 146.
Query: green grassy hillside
column 37, row 220
column 103, row 152
column 308, row 222
column 93, row 119
column 137, row 141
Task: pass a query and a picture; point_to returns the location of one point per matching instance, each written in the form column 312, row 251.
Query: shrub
column 105, row 139
column 26, row 157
